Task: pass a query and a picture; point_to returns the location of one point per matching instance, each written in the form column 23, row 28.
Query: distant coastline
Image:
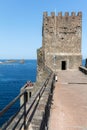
column 12, row 61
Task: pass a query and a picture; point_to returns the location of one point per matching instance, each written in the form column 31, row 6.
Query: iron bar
column 24, row 110
column 10, row 104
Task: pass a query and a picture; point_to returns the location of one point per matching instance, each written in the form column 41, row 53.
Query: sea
column 13, row 76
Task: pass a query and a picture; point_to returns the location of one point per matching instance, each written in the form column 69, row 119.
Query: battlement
column 73, row 14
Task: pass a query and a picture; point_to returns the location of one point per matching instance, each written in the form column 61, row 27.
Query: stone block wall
column 62, row 38
column 40, row 64
column 71, row 62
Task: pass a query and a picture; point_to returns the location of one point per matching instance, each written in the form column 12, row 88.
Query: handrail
column 25, row 113
column 83, row 69
column 10, row 104
column 5, row 109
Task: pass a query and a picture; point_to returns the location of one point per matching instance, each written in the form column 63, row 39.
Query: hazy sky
column 21, row 25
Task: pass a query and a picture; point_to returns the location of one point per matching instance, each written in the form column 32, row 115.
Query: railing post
column 24, row 110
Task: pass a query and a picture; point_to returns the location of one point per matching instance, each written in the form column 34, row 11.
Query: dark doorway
column 25, row 97
column 29, row 94
column 63, row 65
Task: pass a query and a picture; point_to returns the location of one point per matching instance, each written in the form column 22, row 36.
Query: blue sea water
column 12, row 77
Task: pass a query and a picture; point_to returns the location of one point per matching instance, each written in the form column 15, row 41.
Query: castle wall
column 72, row 62
column 62, row 40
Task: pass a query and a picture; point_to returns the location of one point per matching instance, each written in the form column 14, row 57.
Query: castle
column 61, row 50
column 61, row 41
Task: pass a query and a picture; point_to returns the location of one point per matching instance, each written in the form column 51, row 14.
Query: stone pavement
column 69, row 105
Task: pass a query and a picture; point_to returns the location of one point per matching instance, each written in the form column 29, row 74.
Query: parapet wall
column 53, row 14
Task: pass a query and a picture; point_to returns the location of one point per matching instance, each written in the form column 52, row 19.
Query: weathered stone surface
column 69, row 104
column 61, row 40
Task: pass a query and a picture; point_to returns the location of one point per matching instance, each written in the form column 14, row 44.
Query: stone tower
column 61, row 41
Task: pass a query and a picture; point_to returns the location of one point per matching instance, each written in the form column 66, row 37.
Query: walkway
column 69, row 108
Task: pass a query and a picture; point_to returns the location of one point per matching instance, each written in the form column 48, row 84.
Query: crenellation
column 60, row 14
column 79, row 14
column 45, row 14
column 73, row 14
column 66, row 14
column 52, row 14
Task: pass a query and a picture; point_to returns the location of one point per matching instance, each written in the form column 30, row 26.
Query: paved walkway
column 69, row 108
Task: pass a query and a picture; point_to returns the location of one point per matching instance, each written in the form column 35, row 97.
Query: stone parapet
column 41, row 116
column 45, row 14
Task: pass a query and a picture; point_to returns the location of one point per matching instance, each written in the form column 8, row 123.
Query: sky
column 21, row 25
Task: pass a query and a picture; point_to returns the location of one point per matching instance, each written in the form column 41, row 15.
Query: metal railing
column 9, row 106
column 25, row 111
column 83, row 69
